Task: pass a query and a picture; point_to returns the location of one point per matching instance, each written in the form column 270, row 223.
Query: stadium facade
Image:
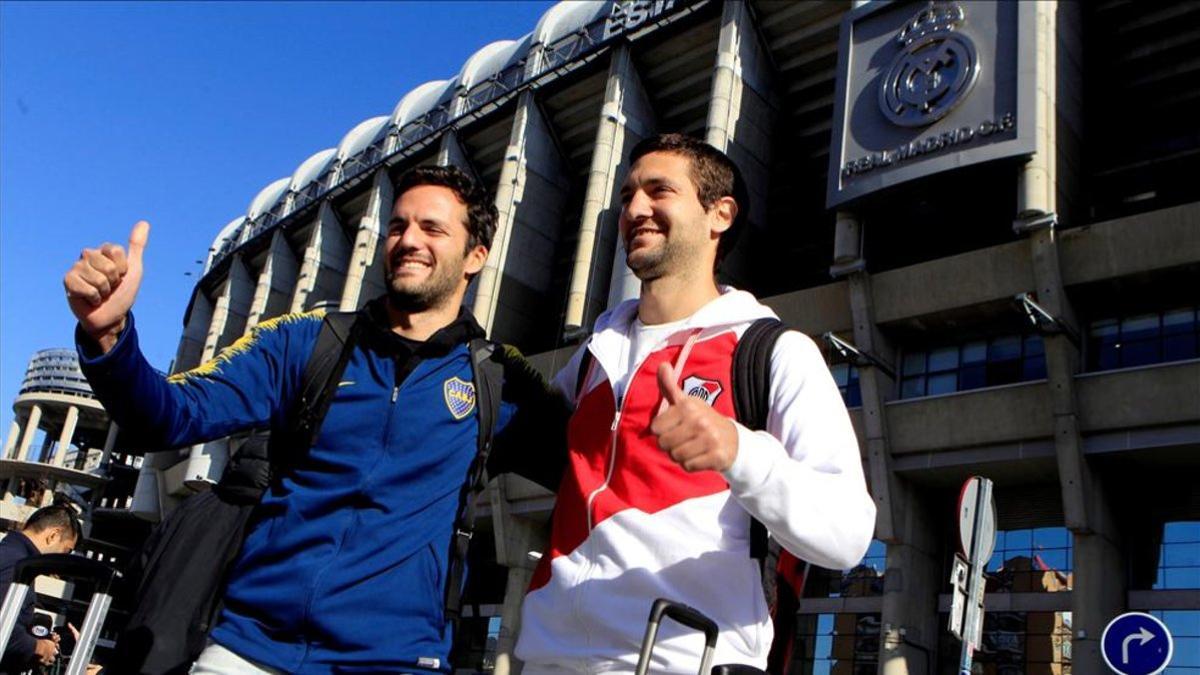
column 987, row 210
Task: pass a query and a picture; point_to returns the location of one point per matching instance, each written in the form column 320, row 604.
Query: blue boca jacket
column 344, row 565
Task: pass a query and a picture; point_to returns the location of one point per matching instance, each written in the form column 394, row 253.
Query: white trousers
column 217, row 660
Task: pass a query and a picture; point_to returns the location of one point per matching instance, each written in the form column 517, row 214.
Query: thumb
column 671, row 392
column 137, row 241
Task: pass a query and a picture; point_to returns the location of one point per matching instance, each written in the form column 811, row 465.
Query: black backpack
column 782, row 573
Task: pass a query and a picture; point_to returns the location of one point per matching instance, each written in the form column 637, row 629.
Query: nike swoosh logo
column 345, row 383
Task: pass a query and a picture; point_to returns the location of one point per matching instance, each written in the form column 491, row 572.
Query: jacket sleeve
column 802, row 477
column 534, row 441
column 247, row 385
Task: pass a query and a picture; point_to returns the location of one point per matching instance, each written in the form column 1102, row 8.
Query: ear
column 475, row 259
column 724, row 211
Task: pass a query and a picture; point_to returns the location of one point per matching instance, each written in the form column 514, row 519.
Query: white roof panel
column 423, row 99
column 312, row 168
column 492, row 59
column 362, row 135
column 567, row 17
column 228, row 231
column 267, row 198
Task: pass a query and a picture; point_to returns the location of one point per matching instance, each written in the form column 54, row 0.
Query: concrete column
column 110, row 442
column 365, row 274
column 625, row 118
column 14, row 434
column 323, row 272
column 741, row 117
column 528, row 228
column 515, row 536
column 273, row 292
column 233, row 306
column 43, row 455
column 64, row 439
column 31, row 427
column 452, row 153
column 195, row 331
column 911, row 581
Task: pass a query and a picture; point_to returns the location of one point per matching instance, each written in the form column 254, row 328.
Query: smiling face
column 428, row 258
column 665, row 227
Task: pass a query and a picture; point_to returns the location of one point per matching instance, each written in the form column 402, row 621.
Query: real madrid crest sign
column 926, row 87
column 933, row 72
column 460, row 397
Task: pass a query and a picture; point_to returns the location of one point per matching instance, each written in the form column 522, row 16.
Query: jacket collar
column 730, row 309
column 21, row 539
column 378, row 332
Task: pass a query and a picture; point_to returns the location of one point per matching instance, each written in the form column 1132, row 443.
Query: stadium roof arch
column 492, row 59
column 267, row 198
column 362, row 135
column 312, row 168
column 230, row 232
column 566, row 17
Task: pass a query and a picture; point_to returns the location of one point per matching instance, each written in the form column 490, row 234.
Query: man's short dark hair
column 481, row 206
column 59, row 515
column 714, row 174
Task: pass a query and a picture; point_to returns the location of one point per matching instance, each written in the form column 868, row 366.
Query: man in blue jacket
column 52, row 529
column 344, row 565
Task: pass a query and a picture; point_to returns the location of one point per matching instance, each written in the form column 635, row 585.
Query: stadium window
column 1014, row 642
column 1179, row 556
column 1185, row 629
column 972, row 365
column 837, row 643
column 846, row 377
column 1031, row 561
column 1127, row 342
column 863, row 580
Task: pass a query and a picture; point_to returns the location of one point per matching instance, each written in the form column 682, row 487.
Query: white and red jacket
column 630, row 525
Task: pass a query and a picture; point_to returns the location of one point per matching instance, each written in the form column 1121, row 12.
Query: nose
column 637, row 208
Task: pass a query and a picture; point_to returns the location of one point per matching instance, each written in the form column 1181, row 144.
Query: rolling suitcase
column 66, row 566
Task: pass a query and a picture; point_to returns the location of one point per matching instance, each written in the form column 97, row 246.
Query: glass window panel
column 1180, row 555
column 1185, row 530
column 1034, row 368
column 1034, row 345
column 853, row 396
column 1105, row 355
column 1054, row 559
column 1003, row 372
column 974, row 352
column 1051, row 537
column 1107, row 327
column 1004, row 348
column 1180, row 577
column 841, row 373
column 914, row 364
column 1179, row 321
column 972, row 377
column 1186, row 654
column 1183, row 623
column 1018, row 540
column 1139, row 353
column 943, row 384
column 912, row 387
column 945, row 358
column 1139, row 327
column 1179, row 347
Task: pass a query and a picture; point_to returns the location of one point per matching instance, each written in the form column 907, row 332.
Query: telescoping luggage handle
column 682, row 614
column 70, row 567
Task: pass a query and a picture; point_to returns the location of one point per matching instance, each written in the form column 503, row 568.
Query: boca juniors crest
column 703, row 389
column 460, row 397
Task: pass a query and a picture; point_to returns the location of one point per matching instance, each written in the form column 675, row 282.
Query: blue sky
column 179, row 113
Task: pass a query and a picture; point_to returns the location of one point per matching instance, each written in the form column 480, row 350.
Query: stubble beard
column 434, row 291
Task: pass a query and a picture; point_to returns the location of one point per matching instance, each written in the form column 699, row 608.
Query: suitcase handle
column 687, row 616
column 69, row 566
column 682, row 614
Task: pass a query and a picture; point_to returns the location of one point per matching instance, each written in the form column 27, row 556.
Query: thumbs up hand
column 102, row 285
column 695, row 436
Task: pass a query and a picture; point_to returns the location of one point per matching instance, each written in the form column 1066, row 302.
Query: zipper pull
column 395, row 393
column 616, row 420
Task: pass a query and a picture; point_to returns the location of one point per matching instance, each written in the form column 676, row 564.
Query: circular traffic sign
column 968, row 497
column 1136, row 643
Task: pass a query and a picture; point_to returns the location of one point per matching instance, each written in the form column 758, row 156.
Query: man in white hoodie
column 662, row 482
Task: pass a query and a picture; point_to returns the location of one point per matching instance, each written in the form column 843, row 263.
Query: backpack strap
column 751, row 380
column 488, row 374
column 331, row 352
